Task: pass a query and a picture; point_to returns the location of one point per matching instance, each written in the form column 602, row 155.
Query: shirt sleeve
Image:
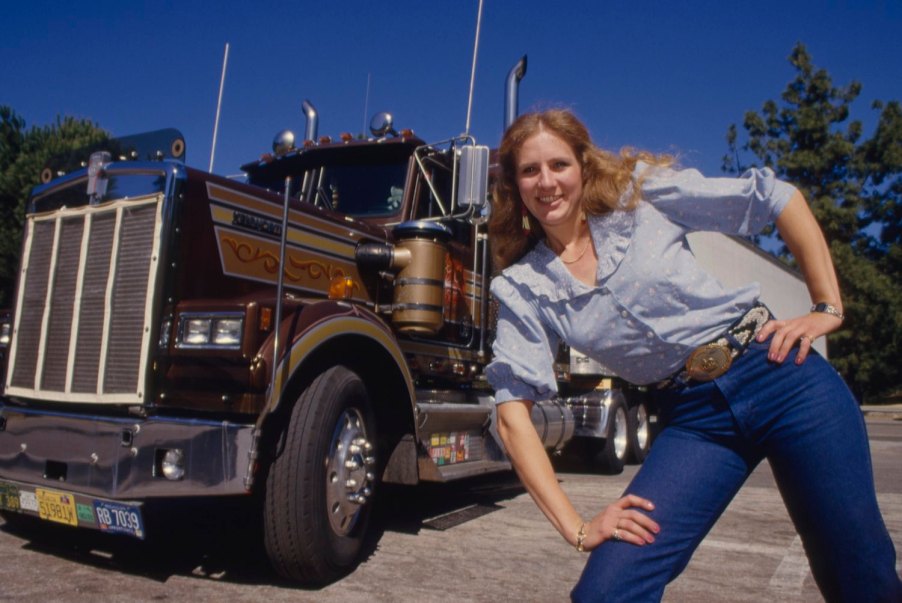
column 522, row 365
column 741, row 206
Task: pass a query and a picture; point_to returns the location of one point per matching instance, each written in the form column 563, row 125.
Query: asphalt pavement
column 481, row 541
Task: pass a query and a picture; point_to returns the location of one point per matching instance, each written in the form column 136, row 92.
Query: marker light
column 342, row 287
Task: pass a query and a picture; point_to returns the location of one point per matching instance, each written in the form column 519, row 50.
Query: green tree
column 854, row 187
column 23, row 155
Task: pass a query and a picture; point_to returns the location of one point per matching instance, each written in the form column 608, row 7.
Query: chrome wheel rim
column 349, row 476
column 642, row 427
column 620, row 433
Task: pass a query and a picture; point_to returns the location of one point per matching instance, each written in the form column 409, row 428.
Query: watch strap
column 826, row 308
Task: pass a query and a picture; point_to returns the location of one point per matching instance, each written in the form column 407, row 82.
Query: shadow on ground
column 221, row 539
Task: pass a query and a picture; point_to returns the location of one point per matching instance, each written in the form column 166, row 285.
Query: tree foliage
column 854, row 187
column 23, row 154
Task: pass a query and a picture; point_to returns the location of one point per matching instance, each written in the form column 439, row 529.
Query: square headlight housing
column 210, row 331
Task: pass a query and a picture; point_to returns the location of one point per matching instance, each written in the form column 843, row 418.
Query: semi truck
column 301, row 337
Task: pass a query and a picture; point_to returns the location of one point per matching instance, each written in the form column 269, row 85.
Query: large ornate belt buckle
column 709, row 362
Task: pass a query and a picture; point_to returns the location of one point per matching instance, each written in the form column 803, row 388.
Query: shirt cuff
column 508, row 387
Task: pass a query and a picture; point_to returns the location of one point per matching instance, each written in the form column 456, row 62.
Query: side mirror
column 472, row 187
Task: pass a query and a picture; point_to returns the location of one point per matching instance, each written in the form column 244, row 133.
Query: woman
column 593, row 251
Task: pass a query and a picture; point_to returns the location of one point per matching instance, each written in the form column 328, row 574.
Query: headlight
column 210, row 331
column 5, row 330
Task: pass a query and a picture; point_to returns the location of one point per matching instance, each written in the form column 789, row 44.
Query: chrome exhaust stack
column 312, row 120
column 512, row 92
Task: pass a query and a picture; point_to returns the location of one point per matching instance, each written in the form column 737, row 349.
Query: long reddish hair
column 606, row 178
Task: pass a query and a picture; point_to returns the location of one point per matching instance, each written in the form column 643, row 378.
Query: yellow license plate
column 56, row 506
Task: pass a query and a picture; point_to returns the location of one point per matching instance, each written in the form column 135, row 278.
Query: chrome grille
column 82, row 331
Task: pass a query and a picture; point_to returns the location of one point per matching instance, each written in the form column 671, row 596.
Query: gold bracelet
column 581, row 537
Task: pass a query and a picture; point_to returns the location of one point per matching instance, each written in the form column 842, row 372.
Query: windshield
column 367, row 190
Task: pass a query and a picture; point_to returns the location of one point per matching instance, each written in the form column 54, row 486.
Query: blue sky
column 665, row 76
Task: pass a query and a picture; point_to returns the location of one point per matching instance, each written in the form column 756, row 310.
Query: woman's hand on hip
column 622, row 520
column 802, row 330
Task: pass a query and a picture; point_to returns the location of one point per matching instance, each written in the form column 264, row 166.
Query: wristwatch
column 827, row 309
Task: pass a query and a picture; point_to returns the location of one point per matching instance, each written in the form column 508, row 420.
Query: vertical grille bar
column 93, row 295
column 59, row 323
column 33, row 294
column 129, row 299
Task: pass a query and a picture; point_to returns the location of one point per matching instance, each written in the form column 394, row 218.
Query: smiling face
column 549, row 178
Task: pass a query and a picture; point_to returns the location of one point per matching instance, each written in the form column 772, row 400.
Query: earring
column 524, row 219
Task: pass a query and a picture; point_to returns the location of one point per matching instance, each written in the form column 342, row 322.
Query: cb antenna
column 473, row 68
column 225, row 62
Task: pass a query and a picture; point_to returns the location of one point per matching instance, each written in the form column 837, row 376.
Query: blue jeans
column 804, row 420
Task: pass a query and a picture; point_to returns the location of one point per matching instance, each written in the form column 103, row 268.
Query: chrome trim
column 116, row 457
column 590, row 411
column 512, row 91
column 312, row 120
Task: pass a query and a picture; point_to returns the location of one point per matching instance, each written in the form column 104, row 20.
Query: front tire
column 320, row 485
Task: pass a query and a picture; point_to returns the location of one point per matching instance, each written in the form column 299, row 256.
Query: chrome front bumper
column 119, row 458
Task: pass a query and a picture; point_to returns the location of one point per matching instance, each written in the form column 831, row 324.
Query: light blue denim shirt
column 651, row 305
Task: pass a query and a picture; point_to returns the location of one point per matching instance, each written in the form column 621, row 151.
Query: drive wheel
column 639, row 432
column 612, row 455
column 320, row 485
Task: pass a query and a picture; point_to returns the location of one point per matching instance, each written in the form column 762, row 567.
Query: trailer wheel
column 639, row 432
column 320, row 485
column 612, row 455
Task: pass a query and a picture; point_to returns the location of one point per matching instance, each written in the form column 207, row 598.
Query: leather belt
column 711, row 360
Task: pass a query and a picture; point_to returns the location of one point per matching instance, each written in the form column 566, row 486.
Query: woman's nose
column 544, row 180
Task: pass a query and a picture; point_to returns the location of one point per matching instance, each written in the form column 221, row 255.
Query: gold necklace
column 581, row 253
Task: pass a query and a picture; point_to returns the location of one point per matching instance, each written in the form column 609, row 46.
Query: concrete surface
column 428, row 550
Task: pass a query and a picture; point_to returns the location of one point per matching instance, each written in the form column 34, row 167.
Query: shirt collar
column 611, row 235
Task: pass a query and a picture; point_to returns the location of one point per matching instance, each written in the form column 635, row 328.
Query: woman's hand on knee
column 623, row 520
